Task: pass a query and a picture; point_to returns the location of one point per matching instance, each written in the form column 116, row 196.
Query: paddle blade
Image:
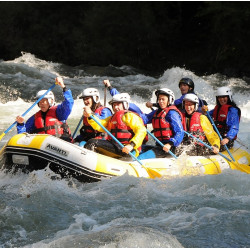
column 152, row 173
column 241, row 167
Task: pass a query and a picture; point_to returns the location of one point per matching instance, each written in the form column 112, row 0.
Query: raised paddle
column 217, row 131
column 157, row 140
column 26, row 112
column 242, row 167
column 152, row 174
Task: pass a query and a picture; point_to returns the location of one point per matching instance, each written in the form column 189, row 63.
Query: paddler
column 51, row 118
column 226, row 116
column 167, row 125
column 125, row 125
column 199, row 126
column 91, row 99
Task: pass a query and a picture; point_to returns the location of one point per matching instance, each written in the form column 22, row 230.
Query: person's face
column 163, row 101
column 88, row 101
column 189, row 107
column 184, row 88
column 44, row 104
column 223, row 100
column 117, row 106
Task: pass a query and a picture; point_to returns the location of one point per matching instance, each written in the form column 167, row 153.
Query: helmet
column 123, row 97
column 187, row 81
column 91, row 92
column 50, row 96
column 167, row 92
column 223, row 91
column 192, row 98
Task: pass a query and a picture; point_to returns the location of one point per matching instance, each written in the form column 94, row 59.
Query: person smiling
column 199, row 126
column 226, row 116
column 125, row 125
column 91, row 99
column 51, row 118
column 167, row 126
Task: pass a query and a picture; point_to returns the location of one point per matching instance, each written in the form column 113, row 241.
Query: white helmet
column 50, row 96
column 122, row 97
column 167, row 92
column 192, row 98
column 223, row 91
column 91, row 92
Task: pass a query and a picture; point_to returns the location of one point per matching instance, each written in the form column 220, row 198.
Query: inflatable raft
column 29, row 152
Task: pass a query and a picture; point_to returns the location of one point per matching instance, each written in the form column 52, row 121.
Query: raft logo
column 56, row 149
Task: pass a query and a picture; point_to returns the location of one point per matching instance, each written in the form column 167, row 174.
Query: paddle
column 242, row 167
column 217, row 131
column 105, row 95
column 77, row 127
column 27, row 111
column 161, row 143
column 152, row 174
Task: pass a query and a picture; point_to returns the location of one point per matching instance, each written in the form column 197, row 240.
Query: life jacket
column 161, row 128
column 89, row 130
column 51, row 125
column 220, row 118
column 119, row 129
column 194, row 127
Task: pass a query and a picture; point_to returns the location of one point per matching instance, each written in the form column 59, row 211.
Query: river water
column 196, row 211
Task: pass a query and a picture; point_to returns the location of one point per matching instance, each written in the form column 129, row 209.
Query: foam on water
column 41, row 210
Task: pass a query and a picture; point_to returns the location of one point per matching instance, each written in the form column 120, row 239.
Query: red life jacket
column 195, row 127
column 220, row 118
column 89, row 130
column 119, row 129
column 162, row 128
column 51, row 125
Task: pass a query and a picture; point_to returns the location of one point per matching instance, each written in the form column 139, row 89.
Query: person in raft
column 125, row 125
column 91, row 98
column 132, row 107
column 167, row 125
column 51, row 118
column 186, row 85
column 226, row 116
column 199, row 126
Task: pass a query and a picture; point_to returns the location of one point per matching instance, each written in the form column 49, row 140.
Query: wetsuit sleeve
column 232, row 123
column 106, row 112
column 132, row 107
column 208, row 129
column 178, row 102
column 113, row 91
column 174, row 119
column 95, row 126
column 147, row 118
column 28, row 127
column 64, row 109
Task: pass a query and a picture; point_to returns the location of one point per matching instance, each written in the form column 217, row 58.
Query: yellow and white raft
column 30, row 152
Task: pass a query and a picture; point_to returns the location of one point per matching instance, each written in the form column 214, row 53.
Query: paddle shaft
column 27, row 111
column 216, row 129
column 77, row 127
column 205, row 144
column 157, row 140
column 122, row 146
